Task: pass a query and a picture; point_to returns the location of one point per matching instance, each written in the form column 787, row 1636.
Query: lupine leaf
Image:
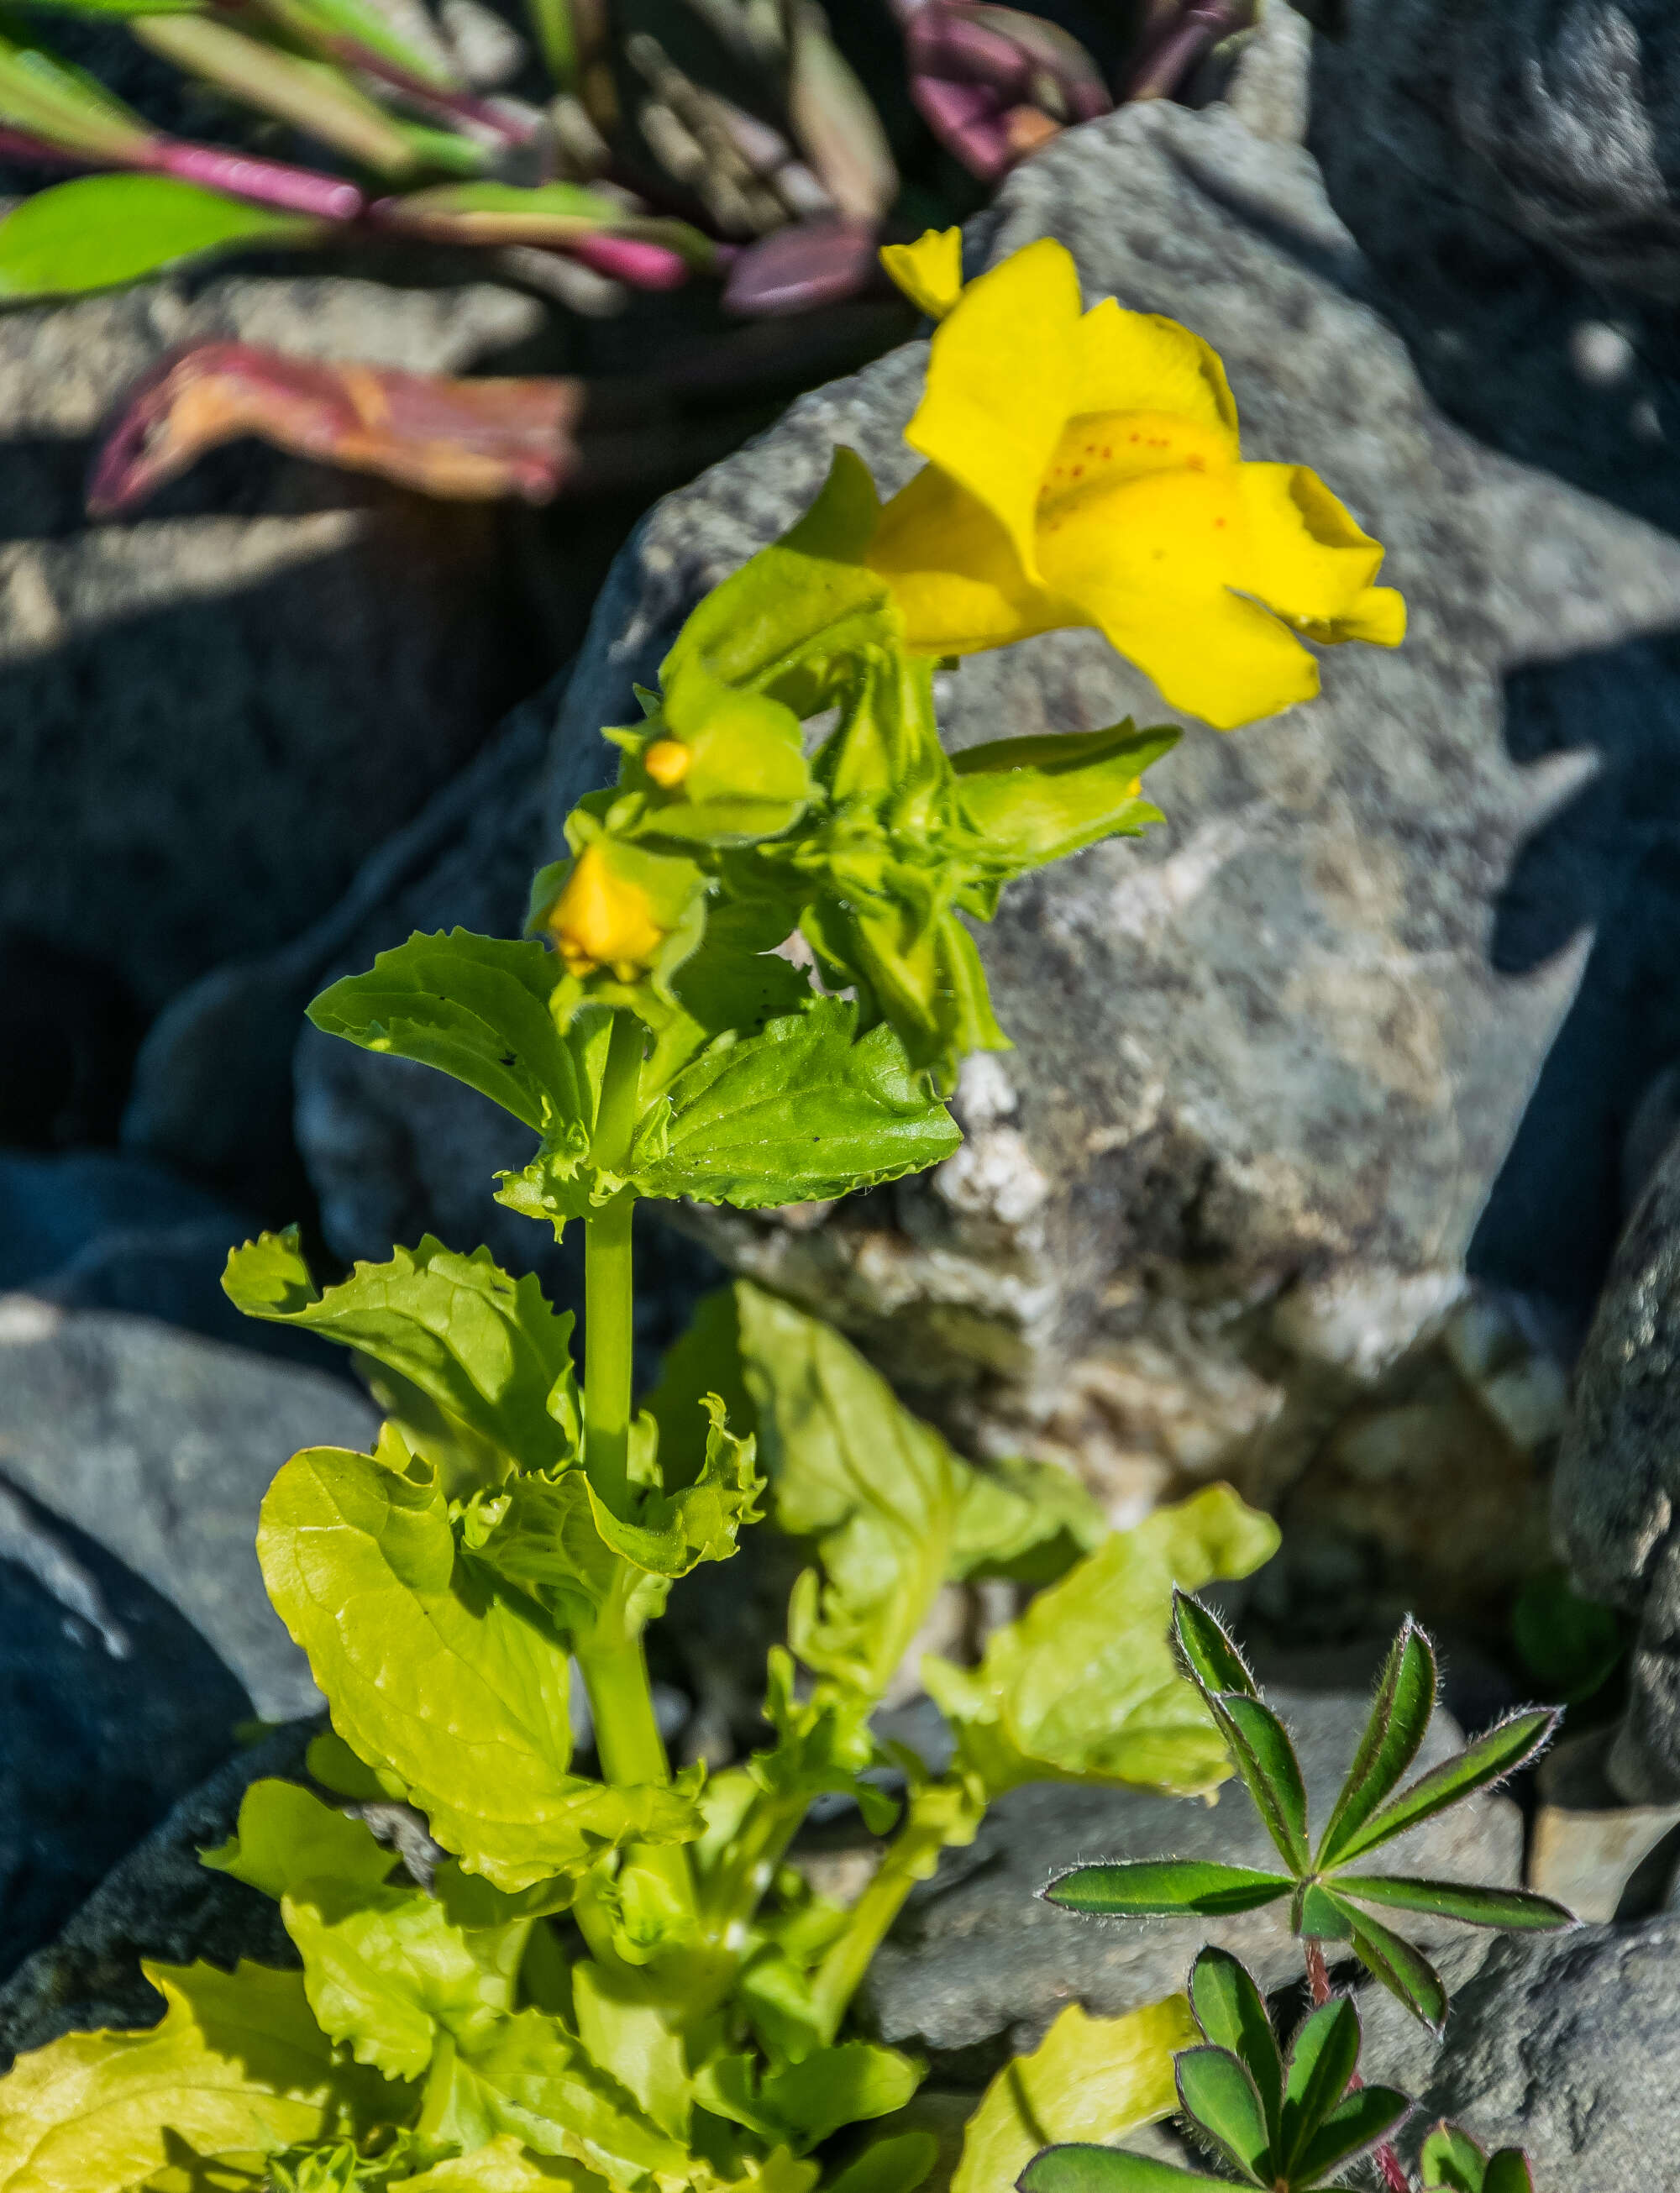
column 1076, row 2169
column 1265, row 1759
column 1209, row 1651
column 1508, row 2171
column 1518, row 1909
column 1319, row 1915
column 487, row 1349
column 238, row 2065
column 804, row 1109
column 1085, row 1685
column 1404, row 1970
column 1088, row 2079
column 1231, row 2012
column 1218, row 2092
column 1400, row 1716
column 1355, row 2124
column 1162, row 1888
column 1453, row 2163
column 459, row 1697
column 1500, row 1752
column 1323, row 2056
column 101, row 230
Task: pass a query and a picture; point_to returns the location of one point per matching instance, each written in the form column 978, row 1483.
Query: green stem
column 911, row 1859
column 434, row 2099
column 609, row 1298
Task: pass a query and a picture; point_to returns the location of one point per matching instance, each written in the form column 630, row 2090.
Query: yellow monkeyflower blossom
column 604, row 919
column 929, row 272
column 1084, row 468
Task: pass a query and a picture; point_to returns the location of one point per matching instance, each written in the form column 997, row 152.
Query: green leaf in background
column 1453, row 2163
column 1035, row 800
column 1400, row 1716
column 1571, row 1646
column 486, row 1349
column 457, row 1696
column 802, row 2103
column 898, row 2164
column 286, row 1834
column 1323, row 2056
column 101, row 230
column 238, row 2065
column 1079, row 2169
column 1164, row 1887
column 1025, row 1521
column 1086, row 1684
column 1088, row 2079
column 805, row 1109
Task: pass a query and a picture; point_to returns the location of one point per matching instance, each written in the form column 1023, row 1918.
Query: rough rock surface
column 112, row 1706
column 159, row 1903
column 1619, row 1478
column 235, row 697
column 160, row 1446
column 978, row 1965
column 1568, row 2045
column 1222, row 1196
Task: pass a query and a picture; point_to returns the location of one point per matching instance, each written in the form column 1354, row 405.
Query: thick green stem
column 609, row 1298
column 911, row 1859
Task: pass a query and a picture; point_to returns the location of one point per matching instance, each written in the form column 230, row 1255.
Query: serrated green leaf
column 1404, row 1970
column 1520, row 1909
column 1163, row 1887
column 286, row 1834
column 531, row 2079
column 100, row 231
column 1080, row 2169
column 896, row 2165
column 238, row 2065
column 477, row 1008
column 1490, row 1759
column 1265, row 1759
column 1035, row 800
column 1354, row 2125
column 486, row 1349
column 1219, row 2094
column 1209, row 1650
column 1452, row 2161
column 1231, row 2012
column 455, row 1692
column 621, row 2023
column 805, row 1109
column 386, row 1973
column 802, row 2103
column 1085, row 1685
column 1400, row 1716
column 1324, row 2056
column 1089, row 2079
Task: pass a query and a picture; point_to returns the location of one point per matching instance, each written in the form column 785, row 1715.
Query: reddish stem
column 264, row 182
column 1318, row 1979
column 627, row 259
column 1166, row 63
column 1318, row 1973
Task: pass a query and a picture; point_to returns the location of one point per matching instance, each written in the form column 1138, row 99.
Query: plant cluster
column 514, row 1973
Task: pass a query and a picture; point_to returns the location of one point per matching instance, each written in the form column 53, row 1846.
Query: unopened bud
column 668, row 762
column 601, row 920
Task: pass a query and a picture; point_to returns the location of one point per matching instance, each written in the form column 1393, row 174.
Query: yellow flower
column 604, row 919
column 929, row 272
column 1084, row 469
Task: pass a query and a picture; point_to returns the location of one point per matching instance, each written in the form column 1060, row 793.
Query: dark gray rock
column 112, row 1707
column 1568, row 2045
column 160, row 1446
column 1619, row 1478
column 159, row 1904
column 1223, row 1196
column 211, row 714
column 978, row 1965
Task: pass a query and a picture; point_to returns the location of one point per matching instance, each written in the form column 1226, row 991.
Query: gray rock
column 1568, row 2045
column 159, row 1904
column 1223, row 1195
column 213, row 712
column 1619, row 1476
column 160, row 1446
column 978, row 1965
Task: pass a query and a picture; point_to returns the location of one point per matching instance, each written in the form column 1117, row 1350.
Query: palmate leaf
column 1323, row 2056
column 1219, row 2094
column 1519, row 1910
column 1355, row 2124
column 102, row 231
column 238, row 2065
column 1089, row 2079
column 458, row 1694
column 1209, row 1653
column 1165, row 1888
column 487, row 1349
column 1265, row 1759
column 1490, row 1759
column 1400, row 1717
column 1231, row 2012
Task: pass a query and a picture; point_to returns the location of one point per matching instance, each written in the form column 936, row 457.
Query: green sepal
column 744, row 772
column 1035, row 800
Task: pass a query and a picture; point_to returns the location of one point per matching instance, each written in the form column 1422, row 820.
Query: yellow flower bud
column 601, row 920
column 668, row 762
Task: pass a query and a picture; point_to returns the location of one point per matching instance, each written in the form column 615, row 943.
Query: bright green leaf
column 1029, row 1521
column 1400, row 1716
column 1035, row 800
column 1452, row 2161
column 101, row 230
column 1231, row 2012
column 802, row 2103
column 622, row 2024
column 896, row 2165
column 1217, row 2091
column 1166, row 1888
column 1079, row 2169
column 1092, row 2079
column 286, row 1834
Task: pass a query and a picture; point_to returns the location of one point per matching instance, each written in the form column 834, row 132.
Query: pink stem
column 627, row 259
column 265, row 182
column 19, row 145
column 1165, row 64
column 1318, row 1973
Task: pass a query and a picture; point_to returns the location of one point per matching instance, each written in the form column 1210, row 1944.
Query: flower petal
column 1224, row 659
column 1140, row 362
column 953, row 571
column 1306, row 556
column 999, row 382
column 929, row 272
column 1378, row 615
